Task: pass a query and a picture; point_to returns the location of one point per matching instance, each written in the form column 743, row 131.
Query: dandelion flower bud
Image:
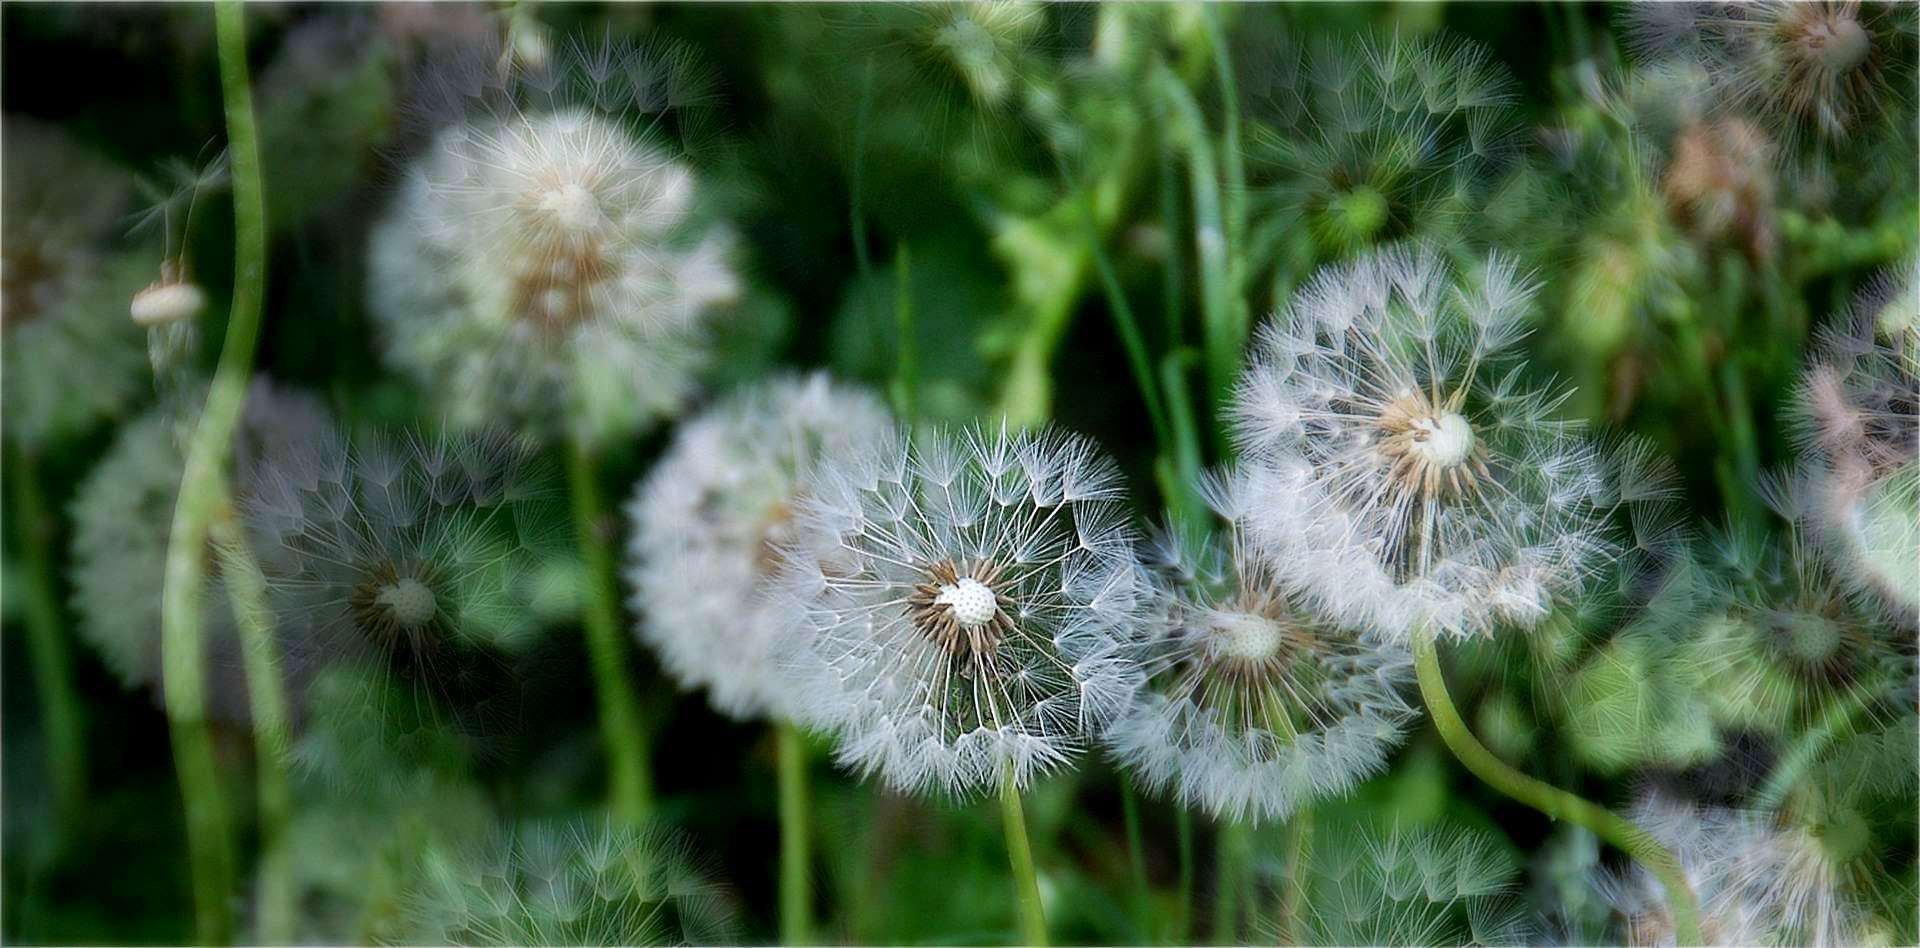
column 573, row 883
column 72, row 359
column 1401, row 474
column 974, row 596
column 1253, row 708
column 709, row 523
column 543, row 266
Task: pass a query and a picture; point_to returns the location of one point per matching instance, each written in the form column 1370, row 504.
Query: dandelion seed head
column 1404, row 470
column 971, row 596
column 543, row 265
column 709, row 523
column 1252, row 708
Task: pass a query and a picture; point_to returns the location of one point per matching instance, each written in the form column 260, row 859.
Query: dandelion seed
column 543, row 266
column 709, row 524
column 1402, row 472
column 973, row 596
column 1253, row 708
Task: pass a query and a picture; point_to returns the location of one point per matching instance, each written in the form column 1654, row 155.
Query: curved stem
column 625, row 733
column 181, row 646
column 1554, row 802
column 61, row 714
column 267, row 702
column 1026, row 884
column 796, row 863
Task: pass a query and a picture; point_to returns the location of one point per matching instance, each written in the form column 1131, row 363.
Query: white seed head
column 1838, row 42
column 971, row 602
column 708, row 525
column 973, row 598
column 1248, row 638
column 1403, row 475
column 409, row 601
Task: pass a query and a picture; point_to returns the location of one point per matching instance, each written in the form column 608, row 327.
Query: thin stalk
column 1130, row 336
column 1552, row 801
column 1183, row 831
column 182, row 648
column 1233, row 166
column 1220, row 339
column 1186, row 436
column 906, row 379
column 1837, row 721
column 1299, row 848
column 61, row 713
column 267, row 703
column 1137, row 859
column 1233, row 851
column 627, row 740
column 1026, row 884
column 796, row 881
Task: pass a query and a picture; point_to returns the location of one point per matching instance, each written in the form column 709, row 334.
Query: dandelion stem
column 1233, row 851
column 1299, row 834
column 1552, row 801
column 62, row 715
column 182, row 649
column 267, row 703
column 1837, row 721
column 796, row 882
column 1130, row 336
column 625, row 733
column 1183, row 831
column 1026, row 885
column 1137, row 859
column 1220, row 338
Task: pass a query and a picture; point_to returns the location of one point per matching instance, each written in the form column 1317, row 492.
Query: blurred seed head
column 566, row 883
column 543, row 266
column 1857, row 418
column 123, row 516
column 72, row 358
column 1758, row 882
column 709, row 524
column 1402, row 470
column 413, row 556
column 1253, row 708
column 975, row 596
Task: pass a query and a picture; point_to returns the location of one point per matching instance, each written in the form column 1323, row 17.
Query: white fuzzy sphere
column 1401, row 472
column 544, row 270
column 1252, row 708
column 974, row 598
column 707, row 524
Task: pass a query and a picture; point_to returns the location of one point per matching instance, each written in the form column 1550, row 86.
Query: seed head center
column 1251, row 639
column 1443, row 440
column 1839, row 43
column 408, row 601
column 572, row 207
column 971, row 602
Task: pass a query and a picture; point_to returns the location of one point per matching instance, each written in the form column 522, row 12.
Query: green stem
column 1219, row 336
column 1552, row 801
column 267, row 702
column 906, row 379
column 1835, row 722
column 1137, row 859
column 620, row 724
column 1026, row 884
column 796, row 882
column 1233, row 845
column 1183, row 831
column 61, row 713
column 182, row 647
column 1130, row 336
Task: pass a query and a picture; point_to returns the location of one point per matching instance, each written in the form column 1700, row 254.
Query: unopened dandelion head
column 974, row 597
column 1858, row 421
column 565, row 883
column 544, row 265
column 1403, row 471
column 1759, row 880
column 709, row 524
column 1253, row 708
column 411, row 555
column 73, row 358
